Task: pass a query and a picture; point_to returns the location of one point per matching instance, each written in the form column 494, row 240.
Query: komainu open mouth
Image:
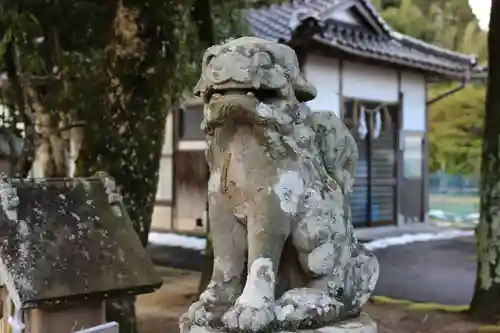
column 262, row 95
column 239, row 104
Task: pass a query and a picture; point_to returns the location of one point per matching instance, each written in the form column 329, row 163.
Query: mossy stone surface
column 63, row 240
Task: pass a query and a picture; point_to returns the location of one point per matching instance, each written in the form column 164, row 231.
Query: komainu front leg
column 230, row 248
column 267, row 233
column 254, row 309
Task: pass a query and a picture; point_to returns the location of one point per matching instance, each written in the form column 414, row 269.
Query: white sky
column 481, row 9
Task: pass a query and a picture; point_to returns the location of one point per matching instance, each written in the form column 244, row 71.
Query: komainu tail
column 337, row 146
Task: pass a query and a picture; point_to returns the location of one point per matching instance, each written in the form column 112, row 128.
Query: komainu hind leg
column 325, row 300
column 330, row 296
column 305, row 308
column 315, row 304
column 361, row 277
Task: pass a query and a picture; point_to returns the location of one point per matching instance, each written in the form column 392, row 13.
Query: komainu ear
column 304, row 90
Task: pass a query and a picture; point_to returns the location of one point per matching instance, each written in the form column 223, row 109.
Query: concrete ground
column 160, row 311
column 369, row 234
column 441, row 271
column 176, row 257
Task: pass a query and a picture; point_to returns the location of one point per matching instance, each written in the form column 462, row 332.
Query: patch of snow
column 414, row 238
column 447, row 224
column 439, row 215
column 472, row 217
column 110, row 327
column 199, row 243
column 175, row 240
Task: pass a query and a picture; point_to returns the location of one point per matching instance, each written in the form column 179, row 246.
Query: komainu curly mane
column 278, row 195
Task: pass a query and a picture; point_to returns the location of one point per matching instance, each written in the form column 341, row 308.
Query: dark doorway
column 375, row 129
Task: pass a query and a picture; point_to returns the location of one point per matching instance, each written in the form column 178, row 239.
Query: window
column 412, row 183
column 412, row 156
column 190, row 119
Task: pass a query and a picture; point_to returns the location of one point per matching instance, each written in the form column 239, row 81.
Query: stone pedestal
column 361, row 324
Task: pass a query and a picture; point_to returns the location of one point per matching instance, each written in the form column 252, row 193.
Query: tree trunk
column 201, row 15
column 144, row 73
column 22, row 166
column 49, row 103
column 486, row 301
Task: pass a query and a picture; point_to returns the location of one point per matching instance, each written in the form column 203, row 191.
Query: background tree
column 18, row 109
column 103, row 87
column 485, row 303
column 141, row 66
column 455, row 134
column 456, row 121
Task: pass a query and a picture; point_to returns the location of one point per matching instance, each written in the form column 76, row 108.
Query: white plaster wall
column 414, row 101
column 162, row 218
column 324, row 73
column 342, row 11
column 165, row 184
column 344, row 15
column 164, row 189
column 162, row 215
column 369, row 82
column 168, row 143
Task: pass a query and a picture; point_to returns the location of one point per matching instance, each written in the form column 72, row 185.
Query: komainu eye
column 209, row 58
column 264, row 59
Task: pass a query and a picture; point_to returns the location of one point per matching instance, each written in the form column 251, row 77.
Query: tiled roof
column 63, row 240
column 276, row 23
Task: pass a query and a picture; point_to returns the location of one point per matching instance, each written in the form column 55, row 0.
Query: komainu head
column 243, row 73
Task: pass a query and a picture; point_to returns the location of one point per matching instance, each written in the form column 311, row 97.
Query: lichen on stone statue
column 280, row 178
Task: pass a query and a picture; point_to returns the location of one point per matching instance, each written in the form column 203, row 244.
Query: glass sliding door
column 375, row 129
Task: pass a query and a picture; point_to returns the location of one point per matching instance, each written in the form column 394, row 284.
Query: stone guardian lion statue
column 280, row 179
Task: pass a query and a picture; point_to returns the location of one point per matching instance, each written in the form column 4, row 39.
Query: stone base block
column 362, row 324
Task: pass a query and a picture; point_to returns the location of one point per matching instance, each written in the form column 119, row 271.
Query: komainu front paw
column 306, row 308
column 205, row 312
column 250, row 317
column 198, row 314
